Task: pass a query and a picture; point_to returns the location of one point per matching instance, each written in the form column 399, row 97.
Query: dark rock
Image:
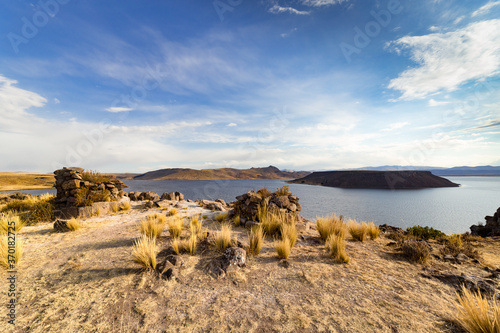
column 282, row 201
column 179, row 196
column 472, row 283
column 232, row 259
column 171, row 274
column 61, row 226
column 222, row 202
column 149, row 205
column 492, row 227
column 284, row 263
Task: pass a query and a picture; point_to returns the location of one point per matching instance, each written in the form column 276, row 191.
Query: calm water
column 451, row 210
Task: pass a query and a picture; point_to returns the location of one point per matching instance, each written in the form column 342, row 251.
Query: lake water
column 452, row 210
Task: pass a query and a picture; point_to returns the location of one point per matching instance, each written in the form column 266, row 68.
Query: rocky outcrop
column 491, row 228
column 152, row 196
column 231, row 260
column 247, row 205
column 218, row 205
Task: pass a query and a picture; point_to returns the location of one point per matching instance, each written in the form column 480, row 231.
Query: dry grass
column 175, row 226
column 476, row 314
column 256, row 240
column 13, row 246
column 272, row 221
column 152, row 226
column 10, row 222
column 15, row 181
column 220, row 217
column 73, row 224
column 189, row 244
column 95, row 176
column 283, row 190
column 114, row 207
column 172, row 212
column 455, row 244
column 416, row 251
column 283, row 248
column 358, row 231
column 144, row 252
column 373, row 231
column 223, row 238
column 335, row 244
column 125, row 205
column 85, row 197
column 176, row 245
column 33, row 210
column 237, row 221
column 289, row 231
column 327, row 226
column 196, row 225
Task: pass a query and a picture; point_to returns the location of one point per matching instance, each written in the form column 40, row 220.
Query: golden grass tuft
column 223, row 238
column 175, row 225
column 160, row 218
column 476, row 314
column 358, row 231
column 373, row 231
column 152, row 226
column 114, row 207
column 189, row 244
column 172, row 212
column 144, row 252
column 289, row 231
column 33, row 210
column 335, row 244
column 195, row 225
column 220, row 217
column 327, row 226
column 283, row 190
column 237, row 221
column 256, row 240
column 176, row 245
column 12, row 246
column 10, row 222
column 283, row 248
column 73, row 224
column 125, row 205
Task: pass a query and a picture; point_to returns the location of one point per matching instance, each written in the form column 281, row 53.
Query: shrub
column 455, row 244
column 151, row 226
column 86, row 197
column 327, row 226
column 114, row 207
column 223, row 238
column 176, row 245
column 283, row 248
column 220, row 217
column 4, row 251
column 10, row 222
column 335, row 244
column 416, row 251
column 358, row 231
column 283, row 190
column 264, row 192
column 237, row 221
column 189, row 244
column 144, row 252
column 424, row 232
column 373, row 231
column 175, row 225
column 476, row 314
column 73, row 224
column 256, row 239
column 36, row 209
column 96, row 177
column 289, row 231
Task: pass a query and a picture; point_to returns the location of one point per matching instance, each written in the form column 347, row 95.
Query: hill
column 486, row 170
column 376, row 179
column 270, row 172
column 15, row 181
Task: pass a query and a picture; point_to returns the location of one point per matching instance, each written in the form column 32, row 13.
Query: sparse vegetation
column 114, row 207
column 327, row 226
column 283, row 248
column 144, row 252
column 189, row 244
column 172, row 212
column 152, row 226
column 237, row 221
column 175, row 225
column 220, row 217
column 73, row 224
column 476, row 314
column 264, row 192
column 358, row 231
column 96, row 177
column 176, row 245
column 86, row 197
column 424, row 232
column 195, row 225
column 455, row 244
column 10, row 222
column 335, row 244
column 289, row 231
column 283, row 190
column 125, row 205
column 33, row 210
column 256, row 240
column 16, row 252
column 373, row 231
column 223, row 238
column 416, row 251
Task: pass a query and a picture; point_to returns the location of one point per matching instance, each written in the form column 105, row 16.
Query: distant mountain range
column 270, row 172
column 487, row 170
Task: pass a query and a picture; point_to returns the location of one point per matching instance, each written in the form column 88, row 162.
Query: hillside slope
column 376, row 179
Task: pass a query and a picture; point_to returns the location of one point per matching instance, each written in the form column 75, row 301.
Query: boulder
column 61, row 226
column 485, row 286
column 232, row 259
column 179, row 196
column 492, row 227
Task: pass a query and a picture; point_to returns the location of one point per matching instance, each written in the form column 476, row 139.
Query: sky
column 133, row 86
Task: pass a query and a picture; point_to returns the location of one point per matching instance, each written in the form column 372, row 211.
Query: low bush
column 264, row 192
column 220, row 217
column 114, row 207
column 237, row 221
column 455, row 244
column 86, row 197
column 96, row 177
column 256, row 240
column 189, row 245
column 358, row 231
column 125, row 205
column 416, row 251
column 33, row 210
column 172, row 212
column 476, row 314
column 195, row 225
column 144, row 252
column 335, row 244
column 223, row 238
column 283, row 190
column 424, row 232
column 283, row 248
column 152, row 227
column 4, row 251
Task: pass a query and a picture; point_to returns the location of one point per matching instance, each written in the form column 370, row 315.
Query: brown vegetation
column 15, row 181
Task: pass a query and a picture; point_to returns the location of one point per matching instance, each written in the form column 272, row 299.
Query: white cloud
column 448, row 60
column 231, row 125
column 118, row 109
column 279, row 10
column 56, row 101
column 486, row 8
column 433, row 102
column 458, row 19
column 395, row 126
column 319, row 3
column 433, row 28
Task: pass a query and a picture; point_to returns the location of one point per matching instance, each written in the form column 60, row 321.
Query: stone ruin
column 70, row 183
column 492, row 227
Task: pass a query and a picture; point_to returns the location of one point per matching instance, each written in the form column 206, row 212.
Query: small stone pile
column 152, row 196
column 69, row 181
column 492, row 227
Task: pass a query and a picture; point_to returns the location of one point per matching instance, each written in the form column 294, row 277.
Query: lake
column 452, row 210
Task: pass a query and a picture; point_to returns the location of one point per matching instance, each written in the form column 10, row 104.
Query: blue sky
column 134, row 86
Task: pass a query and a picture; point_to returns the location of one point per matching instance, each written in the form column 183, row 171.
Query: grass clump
column 172, row 212
column 264, row 192
column 476, row 314
column 283, row 190
column 86, row 197
column 12, row 246
column 283, row 248
column 176, row 245
column 96, row 177
column 152, row 226
column 237, row 221
column 373, row 231
column 358, row 231
column 125, row 205
column 10, row 222
column 289, row 231
column 327, row 226
column 335, row 244
column 223, row 238
column 73, row 224
column 220, row 217
column 424, row 232
column 416, row 251
column 456, row 244
column 114, row 207
column 189, row 245
column 144, row 252
column 33, row 210
column 175, row 225
column 256, row 240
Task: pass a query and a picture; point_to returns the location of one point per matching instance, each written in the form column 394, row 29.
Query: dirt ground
column 86, row 281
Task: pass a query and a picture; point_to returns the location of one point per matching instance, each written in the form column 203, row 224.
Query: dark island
column 376, row 179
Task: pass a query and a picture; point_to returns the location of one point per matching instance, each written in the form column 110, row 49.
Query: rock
column 149, row 204
column 390, row 228
column 170, row 261
column 171, row 196
column 222, row 202
column 171, row 274
column 134, row 196
column 70, row 184
column 232, row 259
column 282, row 201
column 61, row 226
column 235, row 256
column 164, row 203
column 472, row 283
column 292, row 207
column 213, row 205
column 304, row 226
column 449, row 258
column 175, row 260
column 461, row 258
column 492, row 227
column 179, row 196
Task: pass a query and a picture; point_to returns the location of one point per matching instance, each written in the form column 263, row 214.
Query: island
column 408, row 179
